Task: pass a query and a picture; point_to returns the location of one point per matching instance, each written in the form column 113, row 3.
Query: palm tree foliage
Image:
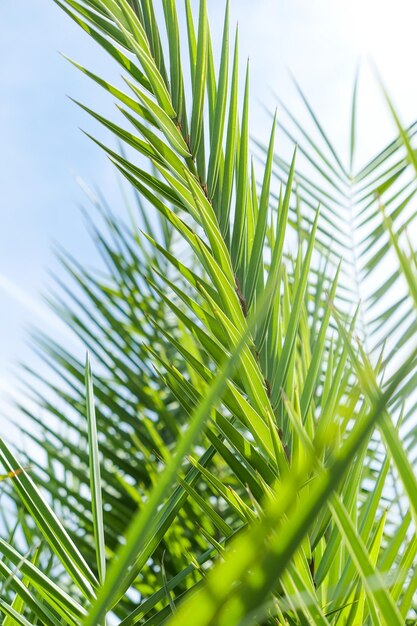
column 242, row 455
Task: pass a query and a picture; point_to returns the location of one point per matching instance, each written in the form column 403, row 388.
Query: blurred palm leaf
column 355, row 204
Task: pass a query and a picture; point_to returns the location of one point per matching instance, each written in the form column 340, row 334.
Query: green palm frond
column 231, row 460
column 355, row 201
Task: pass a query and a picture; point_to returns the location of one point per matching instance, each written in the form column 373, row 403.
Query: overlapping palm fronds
column 364, row 212
column 220, row 468
column 368, row 215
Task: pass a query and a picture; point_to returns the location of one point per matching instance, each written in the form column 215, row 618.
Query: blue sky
column 43, row 150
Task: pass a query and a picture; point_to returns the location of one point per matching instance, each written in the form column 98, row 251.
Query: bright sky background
column 43, row 150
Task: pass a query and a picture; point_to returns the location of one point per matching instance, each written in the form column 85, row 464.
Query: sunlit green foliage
column 244, row 454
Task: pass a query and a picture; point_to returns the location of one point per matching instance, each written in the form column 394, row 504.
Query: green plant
column 240, row 457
